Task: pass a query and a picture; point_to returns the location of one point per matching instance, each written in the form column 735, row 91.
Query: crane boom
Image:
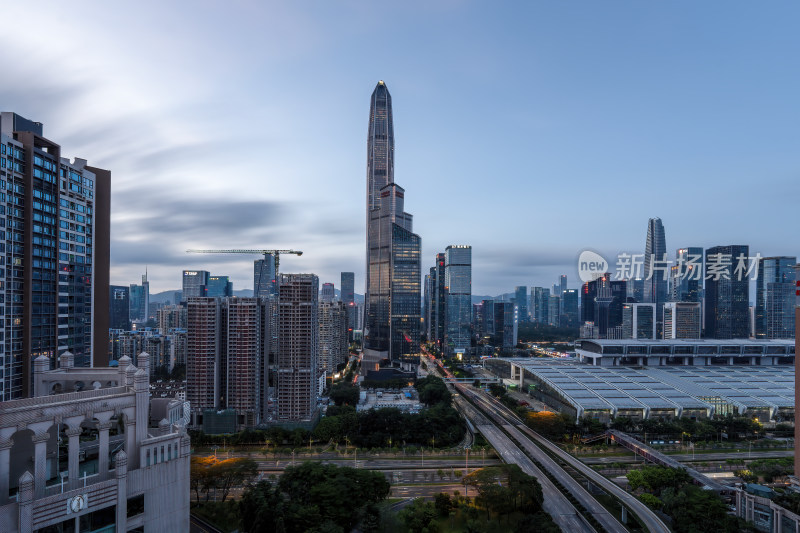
column 265, row 253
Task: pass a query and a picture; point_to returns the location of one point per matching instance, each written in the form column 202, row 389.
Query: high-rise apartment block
column 727, row 293
column 298, row 347
column 458, row 282
column 393, row 286
column 171, row 317
column 333, row 345
column 682, row 320
column 775, row 296
column 56, row 255
column 225, row 368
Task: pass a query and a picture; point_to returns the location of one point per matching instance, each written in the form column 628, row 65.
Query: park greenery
column 702, row 430
column 691, row 509
column 438, row 425
column 309, row 498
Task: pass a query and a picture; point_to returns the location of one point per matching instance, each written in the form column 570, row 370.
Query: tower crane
column 265, row 253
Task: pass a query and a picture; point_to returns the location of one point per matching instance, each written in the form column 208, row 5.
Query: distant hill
column 506, row 297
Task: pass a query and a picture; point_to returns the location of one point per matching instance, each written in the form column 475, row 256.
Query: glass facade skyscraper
column 393, row 287
column 727, row 299
column 686, row 275
column 265, row 282
column 775, row 298
column 521, row 299
column 655, row 273
column 458, row 281
column 219, row 287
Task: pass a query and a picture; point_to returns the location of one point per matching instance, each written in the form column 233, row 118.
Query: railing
column 160, row 449
column 14, row 405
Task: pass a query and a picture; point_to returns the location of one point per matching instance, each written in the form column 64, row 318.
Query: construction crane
column 275, row 253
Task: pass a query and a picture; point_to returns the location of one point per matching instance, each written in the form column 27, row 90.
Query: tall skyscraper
column 298, row 347
column 195, row 284
column 554, row 310
column 727, row 294
column 393, row 286
column 540, row 305
column 57, row 215
column 348, row 296
column 686, row 275
column 569, row 305
column 203, row 344
column 521, row 298
column 505, row 325
column 219, row 287
column 655, row 267
column 328, row 292
column 119, row 312
column 438, row 302
column 775, row 296
column 265, row 281
column 638, row 321
column 458, row 280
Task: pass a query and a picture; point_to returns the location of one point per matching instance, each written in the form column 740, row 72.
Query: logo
column 591, row 266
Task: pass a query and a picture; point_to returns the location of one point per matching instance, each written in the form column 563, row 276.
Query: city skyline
column 628, row 88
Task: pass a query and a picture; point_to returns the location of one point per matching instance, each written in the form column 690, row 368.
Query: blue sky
column 530, row 130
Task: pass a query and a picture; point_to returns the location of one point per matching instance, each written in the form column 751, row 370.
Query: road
column 651, row 521
column 563, row 512
column 687, row 457
column 609, row 522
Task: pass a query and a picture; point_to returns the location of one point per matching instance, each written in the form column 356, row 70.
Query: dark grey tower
column 655, row 288
column 392, row 295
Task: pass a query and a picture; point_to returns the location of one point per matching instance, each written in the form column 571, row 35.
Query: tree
column 443, row 504
column 232, row 472
column 419, row 516
column 345, row 394
column 432, row 390
column 200, row 478
column 651, row 501
column 657, row 478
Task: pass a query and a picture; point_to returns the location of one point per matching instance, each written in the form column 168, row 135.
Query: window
column 135, row 506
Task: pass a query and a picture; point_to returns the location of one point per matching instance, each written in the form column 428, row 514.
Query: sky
column 529, row 130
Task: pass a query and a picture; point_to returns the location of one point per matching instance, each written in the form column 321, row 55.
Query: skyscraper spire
column 392, row 294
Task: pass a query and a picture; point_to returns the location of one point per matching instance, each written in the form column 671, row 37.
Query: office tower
column 655, row 286
column 298, row 346
column 638, row 321
column 484, row 318
column 348, row 297
column 265, row 282
column 458, row 281
column 203, row 348
column 137, row 303
column 333, row 346
column 438, row 301
column 119, row 312
column 505, row 326
column 554, row 310
column 602, row 301
column 636, row 289
column 171, row 317
column 727, row 293
column 775, row 295
column 56, row 255
column 347, row 289
column 562, row 287
column 219, row 287
column 195, row 284
column 328, row 292
column 540, row 305
column 682, row 320
column 686, row 275
column 569, row 304
column 426, row 304
column 521, row 298
column 392, row 295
